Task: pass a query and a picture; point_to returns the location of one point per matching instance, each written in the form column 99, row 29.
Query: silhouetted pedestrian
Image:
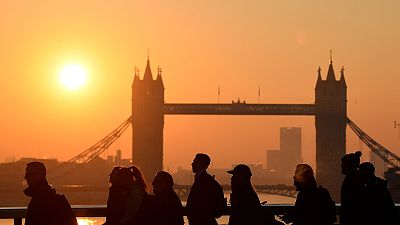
column 133, row 195
column 116, row 199
column 379, row 207
column 246, row 206
column 314, row 205
column 167, row 208
column 46, row 207
column 206, row 198
column 351, row 191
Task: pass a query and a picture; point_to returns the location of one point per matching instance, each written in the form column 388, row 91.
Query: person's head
column 113, row 177
column 124, row 176
column 35, row 172
column 350, row 162
column 137, row 175
column 162, row 182
column 304, row 177
column 200, row 162
column 241, row 175
column 367, row 171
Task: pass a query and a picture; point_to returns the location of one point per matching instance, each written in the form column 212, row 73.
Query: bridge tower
column 330, row 124
column 148, row 122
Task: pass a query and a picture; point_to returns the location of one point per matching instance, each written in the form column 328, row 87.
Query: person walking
column 245, row 204
column 46, row 206
column 134, row 196
column 116, row 199
column 314, row 205
column 167, row 208
column 206, row 199
column 351, row 191
column 379, row 207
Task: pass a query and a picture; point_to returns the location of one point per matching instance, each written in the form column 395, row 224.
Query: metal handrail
column 18, row 213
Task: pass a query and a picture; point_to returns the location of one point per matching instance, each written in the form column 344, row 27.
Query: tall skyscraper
column 284, row 160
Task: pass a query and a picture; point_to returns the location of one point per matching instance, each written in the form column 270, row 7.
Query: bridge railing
column 18, row 213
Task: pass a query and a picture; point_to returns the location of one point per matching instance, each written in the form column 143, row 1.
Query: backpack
column 63, row 211
column 329, row 212
column 220, row 203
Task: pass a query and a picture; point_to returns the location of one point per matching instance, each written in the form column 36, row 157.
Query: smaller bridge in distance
column 280, row 189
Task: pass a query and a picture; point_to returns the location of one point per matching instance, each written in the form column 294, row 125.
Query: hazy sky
column 200, row 45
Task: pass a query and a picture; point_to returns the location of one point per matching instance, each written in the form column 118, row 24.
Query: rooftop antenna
column 330, row 61
column 148, row 54
column 219, row 93
column 397, row 125
column 259, row 94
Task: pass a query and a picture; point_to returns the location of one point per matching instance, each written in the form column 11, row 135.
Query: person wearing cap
column 46, row 206
column 167, row 205
column 203, row 204
column 351, row 191
column 314, row 205
column 245, row 204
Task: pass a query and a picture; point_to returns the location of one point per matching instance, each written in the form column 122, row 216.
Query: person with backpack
column 167, row 208
column 379, row 207
column 314, row 205
column 245, row 204
column 206, row 200
column 46, row 206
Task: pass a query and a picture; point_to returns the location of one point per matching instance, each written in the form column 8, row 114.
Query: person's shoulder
column 323, row 191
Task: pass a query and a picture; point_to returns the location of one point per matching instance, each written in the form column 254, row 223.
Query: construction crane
column 389, row 157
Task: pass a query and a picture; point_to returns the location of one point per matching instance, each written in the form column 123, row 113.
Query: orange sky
column 199, row 44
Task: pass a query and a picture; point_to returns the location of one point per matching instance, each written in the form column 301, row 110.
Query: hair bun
column 358, row 154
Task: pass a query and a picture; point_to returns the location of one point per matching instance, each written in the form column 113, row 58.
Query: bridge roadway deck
column 18, row 213
column 239, row 109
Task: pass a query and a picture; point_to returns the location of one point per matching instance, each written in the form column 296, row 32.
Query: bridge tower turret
column 330, row 124
column 148, row 122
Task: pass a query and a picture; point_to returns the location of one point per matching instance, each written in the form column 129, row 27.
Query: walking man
column 206, row 198
column 46, row 207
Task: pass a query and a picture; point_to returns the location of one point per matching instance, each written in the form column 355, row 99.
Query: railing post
column 17, row 221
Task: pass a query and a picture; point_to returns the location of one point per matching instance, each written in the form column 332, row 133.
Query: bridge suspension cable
column 95, row 150
column 389, row 157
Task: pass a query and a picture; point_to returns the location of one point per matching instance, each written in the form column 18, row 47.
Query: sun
column 73, row 76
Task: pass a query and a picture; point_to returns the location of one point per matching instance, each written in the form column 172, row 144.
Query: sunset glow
column 73, row 76
column 67, row 72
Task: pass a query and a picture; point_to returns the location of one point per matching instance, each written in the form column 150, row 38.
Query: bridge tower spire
column 148, row 123
column 330, row 124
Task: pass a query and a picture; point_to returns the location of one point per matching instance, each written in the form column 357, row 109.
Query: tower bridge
column 329, row 109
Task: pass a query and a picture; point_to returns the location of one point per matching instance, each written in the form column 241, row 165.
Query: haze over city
column 233, row 46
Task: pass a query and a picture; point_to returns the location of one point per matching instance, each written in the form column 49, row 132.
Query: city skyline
column 277, row 46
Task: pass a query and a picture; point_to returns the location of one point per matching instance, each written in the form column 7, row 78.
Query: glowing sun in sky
column 73, row 76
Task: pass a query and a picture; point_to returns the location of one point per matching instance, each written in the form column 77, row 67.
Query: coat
column 167, row 209
column 47, row 207
column 201, row 201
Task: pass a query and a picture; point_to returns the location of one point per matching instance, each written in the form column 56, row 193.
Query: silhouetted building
column 274, row 160
column 284, row 160
column 290, row 145
column 330, row 124
column 148, row 122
